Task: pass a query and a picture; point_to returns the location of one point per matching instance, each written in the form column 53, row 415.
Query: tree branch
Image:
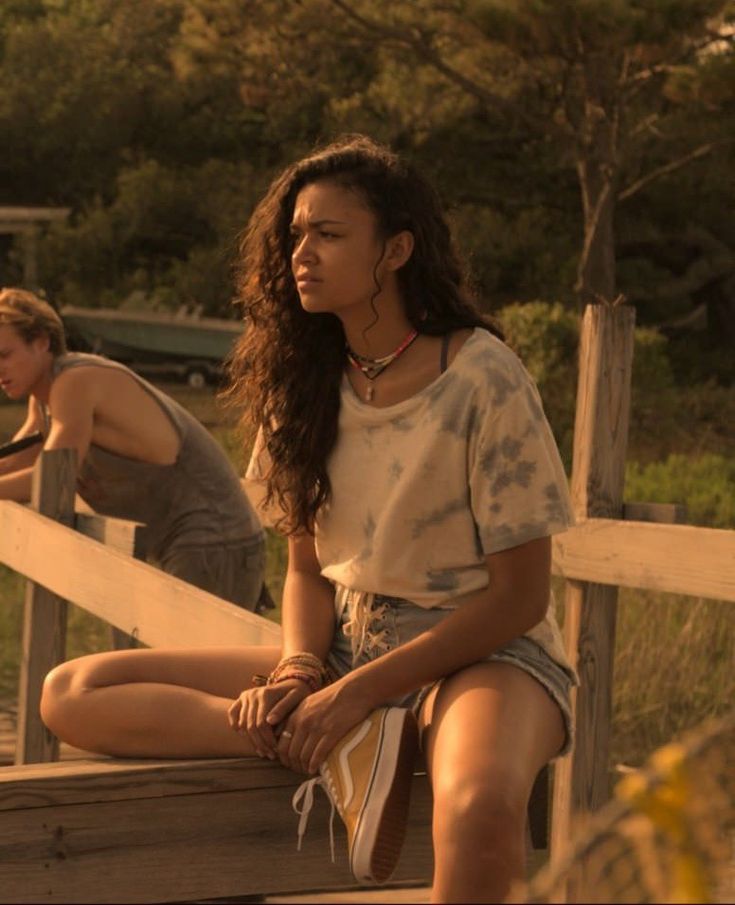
column 647, row 124
column 639, row 79
column 420, row 43
column 667, row 168
column 592, row 219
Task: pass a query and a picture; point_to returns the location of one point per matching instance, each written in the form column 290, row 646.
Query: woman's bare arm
column 308, row 625
column 308, row 601
column 515, row 600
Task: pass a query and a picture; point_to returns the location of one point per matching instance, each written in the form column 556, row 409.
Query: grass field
column 675, row 656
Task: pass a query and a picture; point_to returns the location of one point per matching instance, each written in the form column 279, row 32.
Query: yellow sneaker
column 367, row 777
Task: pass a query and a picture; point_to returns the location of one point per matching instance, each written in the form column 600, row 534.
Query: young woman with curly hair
column 403, row 449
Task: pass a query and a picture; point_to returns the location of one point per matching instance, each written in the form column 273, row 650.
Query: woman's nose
column 303, row 250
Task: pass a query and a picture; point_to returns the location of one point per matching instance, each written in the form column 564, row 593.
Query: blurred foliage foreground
column 674, row 655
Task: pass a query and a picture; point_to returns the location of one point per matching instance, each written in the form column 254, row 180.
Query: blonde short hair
column 32, row 317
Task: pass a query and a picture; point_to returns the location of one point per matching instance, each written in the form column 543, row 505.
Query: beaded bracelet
column 305, row 666
column 313, row 683
column 310, row 680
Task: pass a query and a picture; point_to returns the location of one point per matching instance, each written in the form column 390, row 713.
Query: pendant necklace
column 374, row 367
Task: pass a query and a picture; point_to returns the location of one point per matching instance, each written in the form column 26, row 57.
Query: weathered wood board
column 596, row 488
column 679, row 559
column 45, row 613
column 136, row 831
column 136, row 597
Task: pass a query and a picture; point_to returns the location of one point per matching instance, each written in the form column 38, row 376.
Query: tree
column 517, row 108
column 97, row 114
column 596, row 79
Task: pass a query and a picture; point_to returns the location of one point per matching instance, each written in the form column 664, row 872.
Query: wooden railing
column 87, row 560
column 605, row 550
column 108, row 830
column 678, row 559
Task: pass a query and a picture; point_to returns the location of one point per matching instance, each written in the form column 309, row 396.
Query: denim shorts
column 364, row 633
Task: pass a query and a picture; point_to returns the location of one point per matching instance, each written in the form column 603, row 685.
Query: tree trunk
column 596, row 268
column 597, row 171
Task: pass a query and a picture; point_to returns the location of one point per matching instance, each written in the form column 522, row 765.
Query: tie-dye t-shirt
column 423, row 490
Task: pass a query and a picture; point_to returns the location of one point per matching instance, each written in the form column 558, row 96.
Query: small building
column 27, row 221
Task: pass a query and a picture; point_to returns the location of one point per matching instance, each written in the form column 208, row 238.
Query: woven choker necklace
column 374, row 367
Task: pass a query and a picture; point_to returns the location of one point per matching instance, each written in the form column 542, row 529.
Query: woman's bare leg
column 489, row 730
column 153, row 703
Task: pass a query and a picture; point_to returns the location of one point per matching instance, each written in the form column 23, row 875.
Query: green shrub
column 546, row 337
column 703, row 422
column 166, row 237
column 674, row 654
column 705, row 484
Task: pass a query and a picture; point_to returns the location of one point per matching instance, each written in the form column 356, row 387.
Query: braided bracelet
column 310, row 680
column 302, row 661
column 305, row 666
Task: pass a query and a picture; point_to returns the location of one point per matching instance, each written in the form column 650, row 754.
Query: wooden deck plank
column 214, row 835
column 79, row 776
column 413, row 895
column 96, row 780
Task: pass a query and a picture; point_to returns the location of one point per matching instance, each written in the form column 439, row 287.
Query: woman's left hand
column 311, row 730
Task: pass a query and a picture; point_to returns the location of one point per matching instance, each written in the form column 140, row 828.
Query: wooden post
column 118, row 534
column 30, row 258
column 598, row 474
column 44, row 626
column 134, row 543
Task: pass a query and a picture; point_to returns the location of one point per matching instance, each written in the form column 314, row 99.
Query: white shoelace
column 362, row 613
column 304, row 797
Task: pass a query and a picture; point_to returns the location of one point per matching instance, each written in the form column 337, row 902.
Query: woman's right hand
column 247, row 714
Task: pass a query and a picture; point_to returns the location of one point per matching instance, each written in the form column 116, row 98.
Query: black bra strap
column 445, row 353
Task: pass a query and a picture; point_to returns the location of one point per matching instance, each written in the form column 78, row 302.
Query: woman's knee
column 61, row 688
column 478, row 807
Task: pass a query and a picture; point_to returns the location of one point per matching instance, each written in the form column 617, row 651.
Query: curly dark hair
column 285, row 371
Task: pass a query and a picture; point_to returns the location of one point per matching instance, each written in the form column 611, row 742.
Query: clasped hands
column 291, row 723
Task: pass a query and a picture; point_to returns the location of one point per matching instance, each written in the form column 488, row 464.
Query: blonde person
column 404, row 451
column 141, row 455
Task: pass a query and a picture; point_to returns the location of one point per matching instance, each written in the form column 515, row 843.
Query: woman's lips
column 307, row 282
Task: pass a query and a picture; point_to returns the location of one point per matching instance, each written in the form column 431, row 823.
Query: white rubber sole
column 381, row 826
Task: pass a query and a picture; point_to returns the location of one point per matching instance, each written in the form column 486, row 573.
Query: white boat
column 192, row 347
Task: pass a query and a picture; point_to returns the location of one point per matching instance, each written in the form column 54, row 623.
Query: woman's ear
column 399, row 250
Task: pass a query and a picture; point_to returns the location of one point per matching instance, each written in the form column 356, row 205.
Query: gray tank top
column 198, row 500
